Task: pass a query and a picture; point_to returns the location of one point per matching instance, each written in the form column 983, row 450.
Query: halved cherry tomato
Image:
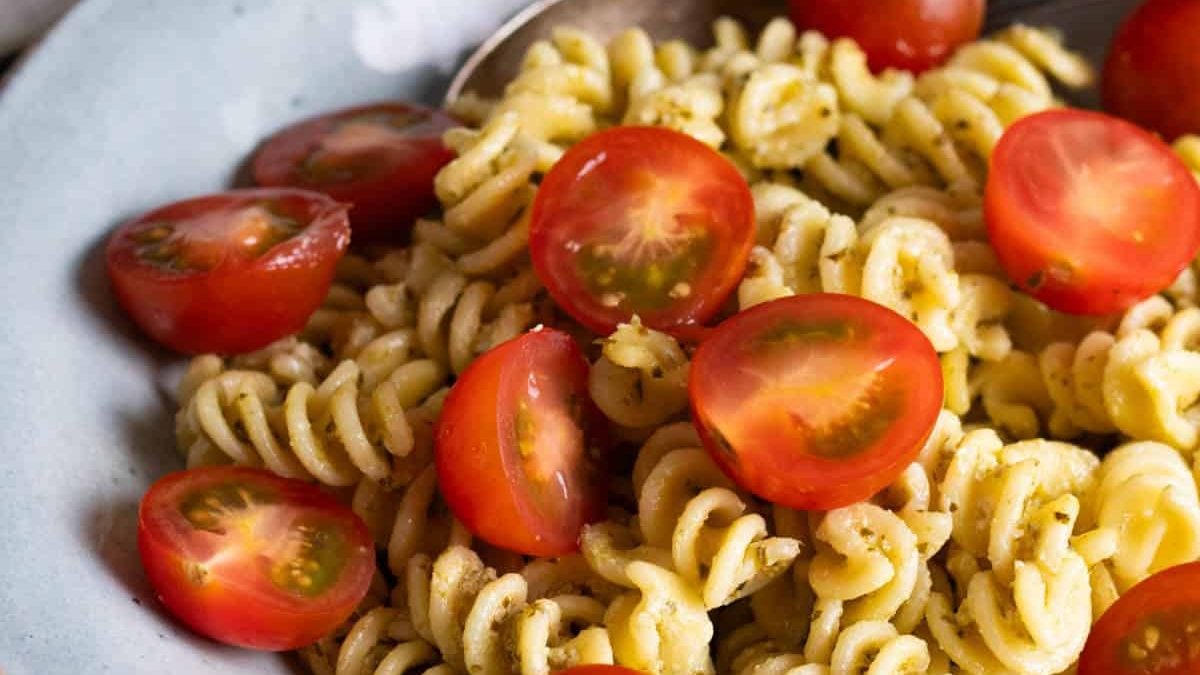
column 1153, row 68
column 597, row 669
column 815, row 401
column 641, row 220
column 1153, row 628
column 252, row 559
column 910, row 34
column 1089, row 213
column 228, row 272
column 381, row 158
column 519, row 456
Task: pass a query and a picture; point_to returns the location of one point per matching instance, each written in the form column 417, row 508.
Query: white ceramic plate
column 127, row 105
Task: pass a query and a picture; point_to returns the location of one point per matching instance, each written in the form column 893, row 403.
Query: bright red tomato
column 381, row 158
column 229, row 272
column 1153, row 68
column 815, row 401
column 910, row 34
column 1153, row 628
column 518, row 452
column 641, row 220
column 1089, row 213
column 252, row 559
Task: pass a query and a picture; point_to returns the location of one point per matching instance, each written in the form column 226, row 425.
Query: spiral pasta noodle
column 1146, row 494
column 1014, row 509
column 640, row 379
column 1143, row 380
column 481, row 622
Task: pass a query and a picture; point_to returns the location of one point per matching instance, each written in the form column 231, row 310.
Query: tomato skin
column 480, row 471
column 243, row 303
column 234, row 603
column 908, row 34
column 398, row 187
column 1153, row 66
column 1171, row 596
column 1089, row 213
column 652, row 199
column 739, row 393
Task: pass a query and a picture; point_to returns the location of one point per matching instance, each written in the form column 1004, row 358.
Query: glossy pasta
column 993, row 553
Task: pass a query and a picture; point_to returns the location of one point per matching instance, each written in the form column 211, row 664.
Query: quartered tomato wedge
column 1153, row 68
column 815, row 401
column 251, row 559
column 381, row 158
column 518, row 453
column 645, row 221
column 1089, row 213
column 229, row 272
column 1154, row 628
column 909, row 34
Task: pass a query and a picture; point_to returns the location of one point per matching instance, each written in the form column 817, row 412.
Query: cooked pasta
column 993, row 552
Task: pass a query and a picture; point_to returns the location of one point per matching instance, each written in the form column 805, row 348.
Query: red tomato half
column 251, row 559
column 815, row 401
column 1154, row 628
column 642, row 220
column 1089, row 213
column 229, row 272
column 910, row 34
column 1152, row 75
column 518, row 457
column 381, row 158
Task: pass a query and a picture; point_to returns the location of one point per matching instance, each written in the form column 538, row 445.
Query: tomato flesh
column 382, row 158
column 229, row 272
column 251, row 559
column 1153, row 628
column 908, row 34
column 645, row 221
column 1089, row 213
column 815, row 401
column 519, row 449
column 1153, row 66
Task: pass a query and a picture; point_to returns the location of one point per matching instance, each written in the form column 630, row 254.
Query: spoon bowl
column 497, row 60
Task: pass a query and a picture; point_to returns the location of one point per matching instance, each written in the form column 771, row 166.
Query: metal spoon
column 497, row 60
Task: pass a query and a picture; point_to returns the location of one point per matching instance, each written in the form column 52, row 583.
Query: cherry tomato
column 381, row 158
column 909, row 34
column 815, row 401
column 641, row 220
column 597, row 669
column 518, row 447
column 1153, row 68
column 252, row 559
column 1089, row 213
column 229, row 272
column 1153, row 628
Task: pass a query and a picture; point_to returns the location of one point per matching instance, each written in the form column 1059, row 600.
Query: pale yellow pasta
column 486, row 623
column 640, row 379
column 1146, row 494
column 688, row 506
column 780, row 117
column 662, row 628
